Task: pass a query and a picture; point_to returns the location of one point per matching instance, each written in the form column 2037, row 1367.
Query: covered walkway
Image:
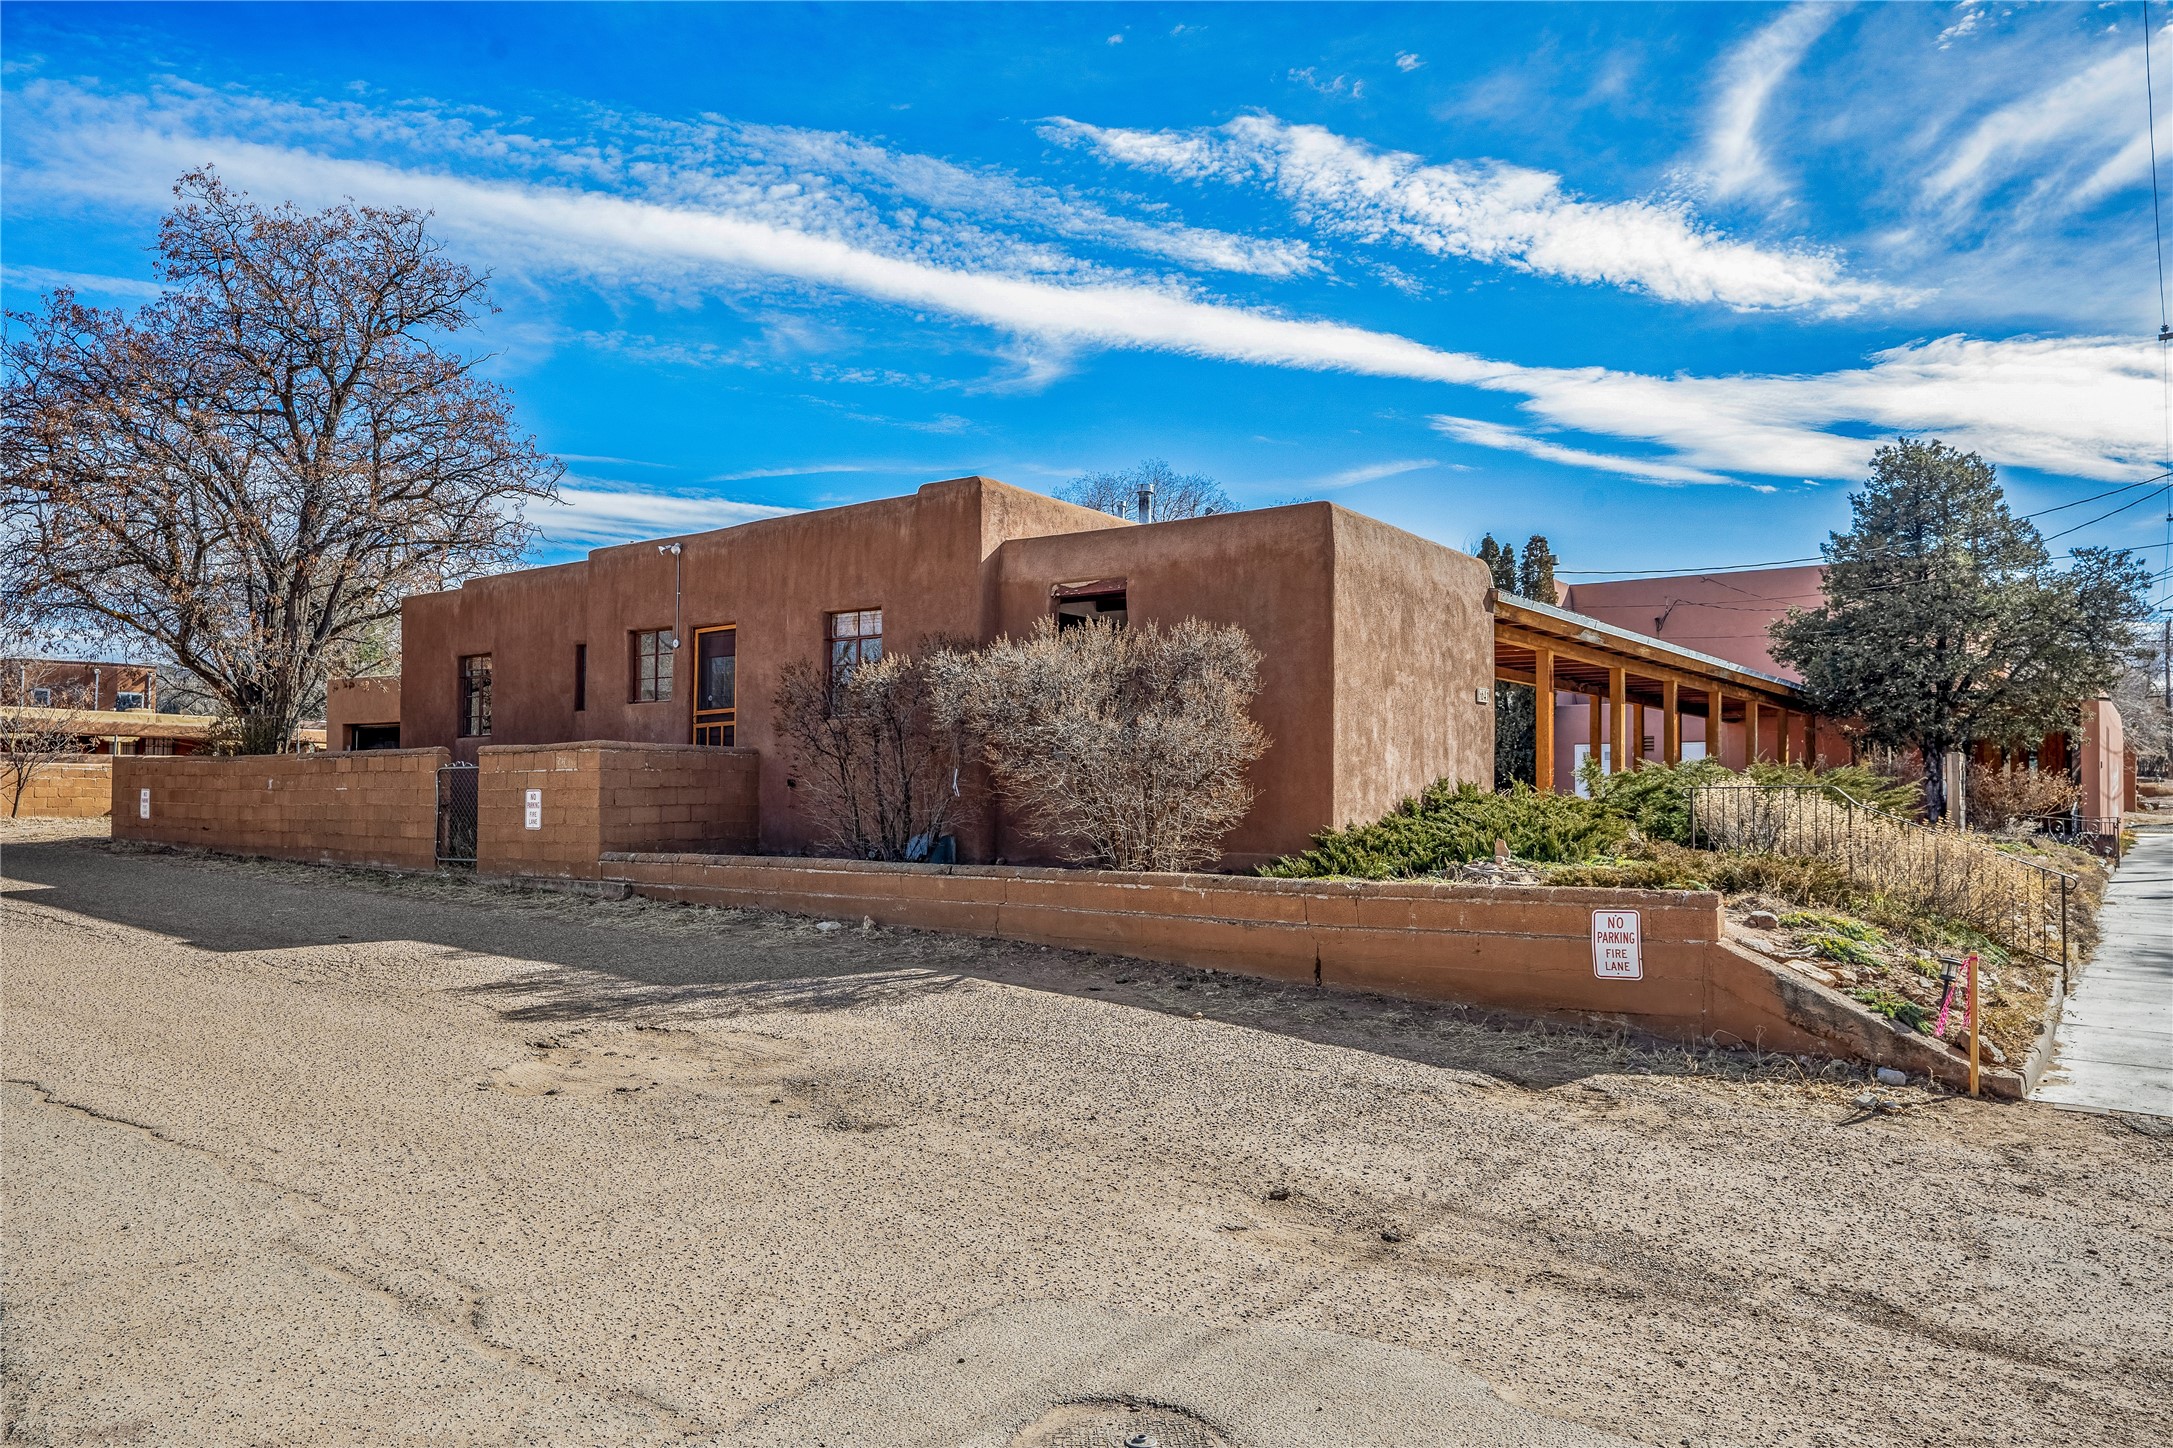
column 1640, row 689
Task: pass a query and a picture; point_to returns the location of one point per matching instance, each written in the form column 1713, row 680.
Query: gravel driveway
column 311, row 1157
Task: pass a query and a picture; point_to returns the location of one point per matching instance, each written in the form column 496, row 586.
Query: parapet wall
column 75, row 789
column 375, row 808
column 594, row 798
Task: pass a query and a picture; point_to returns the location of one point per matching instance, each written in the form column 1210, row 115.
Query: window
column 580, row 677
column 716, row 685
column 160, row 747
column 1101, row 601
column 652, row 666
column 128, row 699
column 43, row 698
column 475, row 695
column 855, row 638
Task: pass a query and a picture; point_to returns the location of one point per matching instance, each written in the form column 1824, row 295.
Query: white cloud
column 597, row 513
column 2070, row 141
column 1488, row 212
column 1408, row 62
column 1972, row 17
column 1370, row 473
column 49, row 279
column 1735, row 161
column 1510, row 439
column 2080, row 406
column 1116, row 40
column 1336, row 85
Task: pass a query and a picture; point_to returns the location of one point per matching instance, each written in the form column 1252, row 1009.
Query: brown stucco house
column 1377, row 646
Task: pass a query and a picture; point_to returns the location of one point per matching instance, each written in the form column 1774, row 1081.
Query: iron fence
column 2018, row 903
column 456, row 814
column 2099, row 834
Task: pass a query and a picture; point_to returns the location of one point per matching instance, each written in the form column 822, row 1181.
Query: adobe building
column 1377, row 647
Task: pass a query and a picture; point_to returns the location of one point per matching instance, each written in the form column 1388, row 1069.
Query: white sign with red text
column 1616, row 952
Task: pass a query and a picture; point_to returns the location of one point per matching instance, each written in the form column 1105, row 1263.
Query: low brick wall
column 378, row 808
column 594, row 798
column 79, row 789
column 1524, row 950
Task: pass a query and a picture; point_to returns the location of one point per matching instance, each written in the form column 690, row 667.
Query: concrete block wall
column 377, row 808
column 77, row 789
column 595, row 798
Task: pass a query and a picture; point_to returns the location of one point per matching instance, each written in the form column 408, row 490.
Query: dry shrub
column 874, row 758
column 1999, row 798
column 1956, row 876
column 1125, row 748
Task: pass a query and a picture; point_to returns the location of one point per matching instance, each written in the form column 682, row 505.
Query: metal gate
column 456, row 815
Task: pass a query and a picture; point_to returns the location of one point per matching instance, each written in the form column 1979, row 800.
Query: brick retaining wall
column 595, row 798
column 1523, row 950
column 377, row 808
column 78, row 789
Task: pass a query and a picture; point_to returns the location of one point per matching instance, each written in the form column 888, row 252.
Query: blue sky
column 1651, row 280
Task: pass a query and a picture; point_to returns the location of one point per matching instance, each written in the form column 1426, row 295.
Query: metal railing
column 2096, row 833
column 2019, row 903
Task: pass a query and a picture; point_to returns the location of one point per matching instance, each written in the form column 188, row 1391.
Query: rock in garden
column 1888, row 1076
column 1762, row 920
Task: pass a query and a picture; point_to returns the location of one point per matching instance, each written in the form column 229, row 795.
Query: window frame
column 470, row 716
column 861, row 646
column 652, row 647
column 580, row 677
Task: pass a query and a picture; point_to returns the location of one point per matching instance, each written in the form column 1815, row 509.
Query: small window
column 1084, row 603
column 652, row 666
column 128, row 699
column 580, row 677
column 475, row 695
column 43, row 698
column 856, row 638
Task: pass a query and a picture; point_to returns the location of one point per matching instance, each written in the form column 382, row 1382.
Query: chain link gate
column 456, row 814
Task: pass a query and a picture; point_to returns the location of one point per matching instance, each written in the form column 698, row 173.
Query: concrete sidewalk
column 2115, row 1046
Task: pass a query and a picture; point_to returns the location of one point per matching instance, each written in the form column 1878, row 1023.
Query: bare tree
column 1176, row 495
column 251, row 471
column 875, row 765
column 33, row 738
column 1119, row 747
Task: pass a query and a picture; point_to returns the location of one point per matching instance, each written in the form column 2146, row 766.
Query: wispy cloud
column 1370, row 473
column 1509, row 439
column 2086, row 406
column 48, row 279
column 1735, row 162
column 597, row 513
column 1490, row 212
column 807, row 470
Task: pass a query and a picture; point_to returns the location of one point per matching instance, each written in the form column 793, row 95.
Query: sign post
column 1617, row 948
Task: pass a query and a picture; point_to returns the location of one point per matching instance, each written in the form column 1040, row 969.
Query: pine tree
column 1944, row 621
column 1535, row 574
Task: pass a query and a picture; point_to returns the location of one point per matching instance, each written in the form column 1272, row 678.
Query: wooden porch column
column 1784, row 748
column 1750, row 732
column 1543, row 720
column 1598, row 725
column 1716, row 726
column 1671, row 722
column 1618, row 718
column 1637, row 736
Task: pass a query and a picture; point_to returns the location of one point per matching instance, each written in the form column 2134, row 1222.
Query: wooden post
column 1637, row 736
column 1750, row 732
column 1618, row 717
column 1543, row 720
column 1671, row 722
column 1716, row 726
column 1597, row 731
column 1784, row 747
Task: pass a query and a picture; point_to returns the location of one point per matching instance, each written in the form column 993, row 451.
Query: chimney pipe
column 1146, row 501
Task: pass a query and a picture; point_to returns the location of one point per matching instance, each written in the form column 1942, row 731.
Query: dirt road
column 299, row 1157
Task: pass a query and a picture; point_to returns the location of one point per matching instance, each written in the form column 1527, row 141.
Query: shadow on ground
column 621, row 960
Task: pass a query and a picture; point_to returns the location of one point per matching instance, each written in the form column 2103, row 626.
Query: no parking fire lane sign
column 1616, row 952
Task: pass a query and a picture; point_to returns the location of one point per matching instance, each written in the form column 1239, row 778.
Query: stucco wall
column 1414, row 648
column 1725, row 615
column 1269, row 572
column 594, row 797
column 2104, row 756
column 374, row 808
column 348, row 702
column 76, row 789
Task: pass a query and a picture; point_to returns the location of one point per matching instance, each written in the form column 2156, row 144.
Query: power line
column 2115, row 512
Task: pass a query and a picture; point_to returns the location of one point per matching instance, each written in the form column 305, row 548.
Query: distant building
column 112, row 708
